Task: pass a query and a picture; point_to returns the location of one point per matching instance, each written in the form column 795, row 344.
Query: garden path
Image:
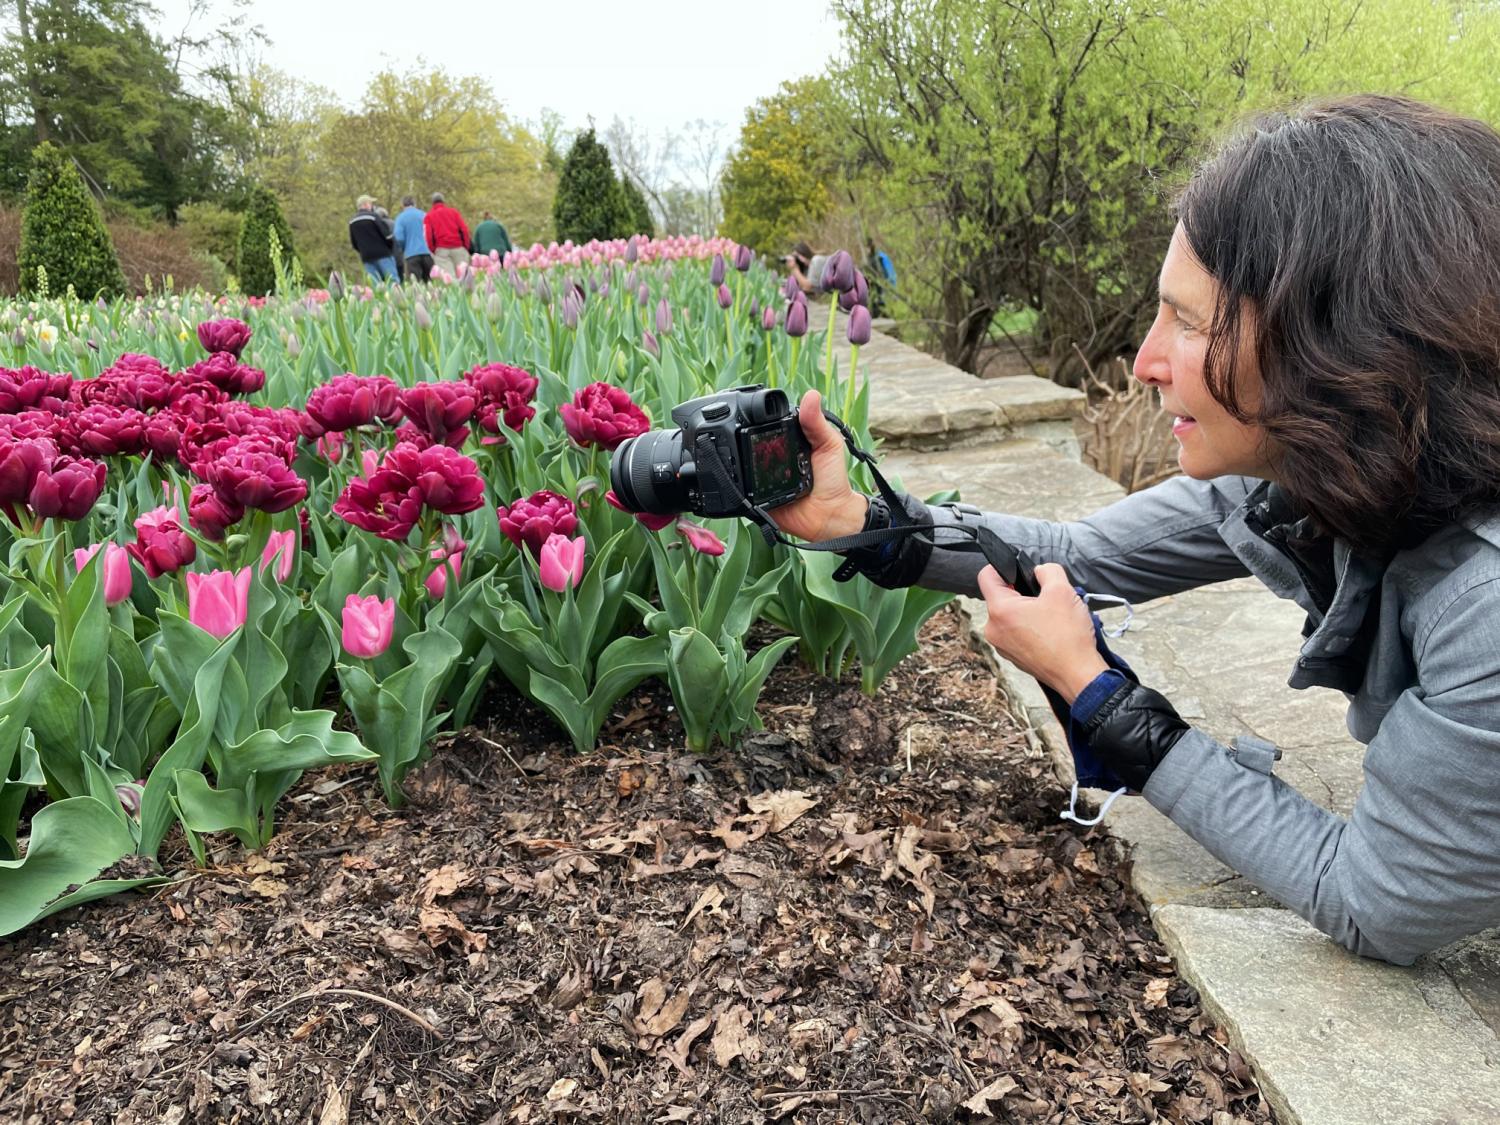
column 1334, row 1038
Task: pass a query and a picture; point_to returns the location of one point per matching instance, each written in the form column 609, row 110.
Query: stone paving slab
column 918, row 400
column 1343, row 1039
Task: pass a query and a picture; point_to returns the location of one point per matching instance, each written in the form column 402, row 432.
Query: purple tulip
column 643, row 295
column 632, row 248
column 603, row 415
column 768, row 318
column 717, row 271
column 857, row 294
column 859, row 326
column 649, row 342
column 726, row 298
column 790, row 288
column 838, row 273
column 68, row 489
column 663, row 317
column 743, row 258
column 796, row 319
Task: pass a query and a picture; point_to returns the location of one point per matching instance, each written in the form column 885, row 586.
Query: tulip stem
column 828, row 361
column 853, row 379
column 791, row 376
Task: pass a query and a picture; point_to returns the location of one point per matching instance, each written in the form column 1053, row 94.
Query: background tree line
column 175, row 137
column 1016, row 157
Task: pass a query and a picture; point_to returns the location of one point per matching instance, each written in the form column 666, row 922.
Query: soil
column 869, row 912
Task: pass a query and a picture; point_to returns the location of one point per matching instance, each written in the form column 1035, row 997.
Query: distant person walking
column 447, row 235
column 390, row 228
column 372, row 241
column 412, row 240
column 490, row 235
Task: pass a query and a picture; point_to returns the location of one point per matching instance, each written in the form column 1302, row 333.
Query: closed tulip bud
column 857, row 294
column 838, row 273
column 742, row 258
column 643, row 295
column 336, row 287
column 561, row 562
column 281, row 550
column 570, row 311
column 790, row 288
column 543, row 291
column 368, row 625
column 649, row 342
column 726, row 298
column 422, row 316
column 663, row 317
column 702, row 540
column 437, row 581
column 293, row 345
column 116, row 576
column 218, row 601
column 492, row 308
column 859, row 326
column 717, row 271
column 796, row 319
column 632, row 248
column 768, row 318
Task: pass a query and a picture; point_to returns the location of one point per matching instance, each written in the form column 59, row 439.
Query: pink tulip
column 437, row 581
column 219, row 601
column 368, row 624
column 702, row 540
column 369, row 460
column 562, row 562
column 331, row 446
column 281, row 548
column 117, row 577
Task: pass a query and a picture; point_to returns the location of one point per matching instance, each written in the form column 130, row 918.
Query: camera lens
column 643, row 473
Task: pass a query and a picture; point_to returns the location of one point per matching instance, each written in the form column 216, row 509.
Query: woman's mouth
column 1181, row 423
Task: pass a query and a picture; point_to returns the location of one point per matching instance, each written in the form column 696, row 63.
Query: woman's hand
column 832, row 509
column 1050, row 636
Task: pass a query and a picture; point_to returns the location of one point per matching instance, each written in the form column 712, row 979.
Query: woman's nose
column 1151, row 365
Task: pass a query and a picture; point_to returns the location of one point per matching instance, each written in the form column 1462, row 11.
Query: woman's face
column 1210, row 443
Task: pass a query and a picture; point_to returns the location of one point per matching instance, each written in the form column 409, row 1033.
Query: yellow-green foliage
column 774, row 185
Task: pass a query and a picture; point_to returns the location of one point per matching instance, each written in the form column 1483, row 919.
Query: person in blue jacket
column 412, row 241
column 1327, row 340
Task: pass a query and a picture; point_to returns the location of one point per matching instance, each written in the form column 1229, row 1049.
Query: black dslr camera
column 735, row 446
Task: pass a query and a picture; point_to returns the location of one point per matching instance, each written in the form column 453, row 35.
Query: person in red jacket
column 447, row 235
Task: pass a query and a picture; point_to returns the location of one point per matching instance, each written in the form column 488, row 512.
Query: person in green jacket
column 490, row 235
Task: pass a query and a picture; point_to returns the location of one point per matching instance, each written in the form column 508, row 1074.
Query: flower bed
column 224, row 536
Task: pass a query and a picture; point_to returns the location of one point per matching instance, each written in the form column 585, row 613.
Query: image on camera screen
column 773, row 461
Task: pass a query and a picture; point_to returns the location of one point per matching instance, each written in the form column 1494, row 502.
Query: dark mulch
column 869, row 913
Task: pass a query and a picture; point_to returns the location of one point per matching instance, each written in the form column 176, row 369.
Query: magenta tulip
column 368, row 624
column 281, row 549
column 649, row 520
column 226, row 335
column 219, row 601
column 348, row 401
column 440, row 410
column 211, row 514
column 702, row 540
column 68, row 489
column 161, row 546
column 535, row 519
column 603, row 415
column 116, row 576
column 562, row 562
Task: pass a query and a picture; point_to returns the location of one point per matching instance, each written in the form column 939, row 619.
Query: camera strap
column 1011, row 563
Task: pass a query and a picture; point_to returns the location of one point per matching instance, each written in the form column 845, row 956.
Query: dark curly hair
column 1357, row 240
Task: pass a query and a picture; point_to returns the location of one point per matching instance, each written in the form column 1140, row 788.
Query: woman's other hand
column 1050, row 636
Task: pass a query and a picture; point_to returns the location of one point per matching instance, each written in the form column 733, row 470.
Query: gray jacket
column 1417, row 864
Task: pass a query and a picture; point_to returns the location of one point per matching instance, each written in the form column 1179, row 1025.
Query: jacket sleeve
column 427, row 231
column 354, row 242
column 1416, row 865
column 1158, row 541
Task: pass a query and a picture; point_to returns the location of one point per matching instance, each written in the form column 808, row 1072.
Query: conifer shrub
column 257, row 269
column 63, row 236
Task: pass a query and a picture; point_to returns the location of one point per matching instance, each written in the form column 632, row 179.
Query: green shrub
column 634, row 213
column 587, row 201
column 62, row 232
column 211, row 229
column 257, row 271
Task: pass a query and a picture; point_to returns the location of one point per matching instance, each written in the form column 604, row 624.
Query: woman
column 1328, row 341
column 806, row 268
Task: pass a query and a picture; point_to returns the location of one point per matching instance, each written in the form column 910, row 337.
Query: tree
column 257, row 267
column 775, row 184
column 62, row 232
column 586, row 205
column 88, row 76
column 634, row 212
column 1020, row 154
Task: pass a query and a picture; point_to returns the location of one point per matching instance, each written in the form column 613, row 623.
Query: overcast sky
column 661, row 62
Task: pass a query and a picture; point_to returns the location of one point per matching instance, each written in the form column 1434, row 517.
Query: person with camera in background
column 1328, row 342
column 806, row 268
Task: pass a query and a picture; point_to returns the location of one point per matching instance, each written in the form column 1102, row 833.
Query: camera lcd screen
column 773, row 460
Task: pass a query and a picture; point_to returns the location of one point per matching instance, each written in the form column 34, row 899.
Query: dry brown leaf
column 980, row 1102
column 709, row 900
column 260, row 865
column 447, row 880
column 732, row 1037
column 267, row 887
column 334, row 1110
column 1156, row 992
column 655, row 1013
column 629, row 781
column 784, row 805
column 562, row 1090
column 440, row 925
